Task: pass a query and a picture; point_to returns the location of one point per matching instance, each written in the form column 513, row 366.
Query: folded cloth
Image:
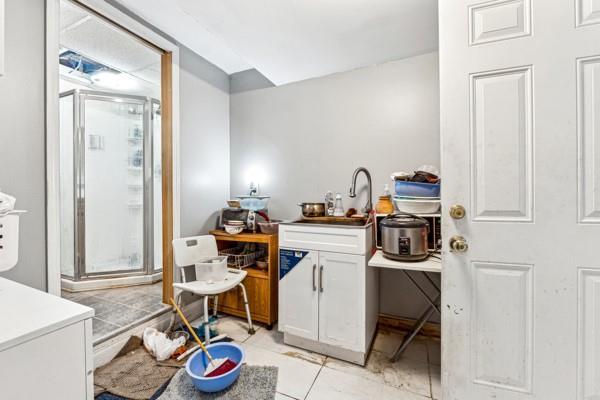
column 254, row 383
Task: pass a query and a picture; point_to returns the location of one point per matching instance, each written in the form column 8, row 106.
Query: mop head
column 219, row 367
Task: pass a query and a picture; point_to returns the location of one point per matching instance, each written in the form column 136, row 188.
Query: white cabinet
column 45, row 346
column 328, row 300
column 300, row 317
column 341, row 299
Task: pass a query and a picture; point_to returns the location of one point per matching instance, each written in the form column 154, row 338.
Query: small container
column 384, row 205
column 211, row 269
column 233, row 229
column 329, row 203
column 416, row 189
column 338, row 211
column 417, row 206
column 262, row 264
column 269, row 228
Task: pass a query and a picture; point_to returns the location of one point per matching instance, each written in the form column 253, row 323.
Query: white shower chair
column 187, row 251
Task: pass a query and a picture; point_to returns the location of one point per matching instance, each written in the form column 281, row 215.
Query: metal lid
column 404, row 221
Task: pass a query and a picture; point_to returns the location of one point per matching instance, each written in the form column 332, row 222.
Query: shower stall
column 110, row 187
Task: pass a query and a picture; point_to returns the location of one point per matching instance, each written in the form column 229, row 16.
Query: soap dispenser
column 384, row 204
column 338, row 211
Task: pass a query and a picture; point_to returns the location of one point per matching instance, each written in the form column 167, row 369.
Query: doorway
column 110, row 197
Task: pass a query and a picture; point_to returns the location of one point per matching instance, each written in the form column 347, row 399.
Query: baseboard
column 107, row 350
column 405, row 324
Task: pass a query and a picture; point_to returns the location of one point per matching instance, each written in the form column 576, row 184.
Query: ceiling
column 292, row 40
column 92, row 37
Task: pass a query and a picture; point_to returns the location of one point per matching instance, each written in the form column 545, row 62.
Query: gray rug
column 254, row 383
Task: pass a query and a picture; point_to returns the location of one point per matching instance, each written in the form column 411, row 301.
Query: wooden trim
column 167, row 172
column 405, row 324
column 104, row 18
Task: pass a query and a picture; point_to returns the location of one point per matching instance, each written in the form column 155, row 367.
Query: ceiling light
column 112, row 80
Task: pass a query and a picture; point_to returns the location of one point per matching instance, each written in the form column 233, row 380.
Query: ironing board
column 431, row 265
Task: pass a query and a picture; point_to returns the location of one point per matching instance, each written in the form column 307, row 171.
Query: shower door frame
column 79, row 103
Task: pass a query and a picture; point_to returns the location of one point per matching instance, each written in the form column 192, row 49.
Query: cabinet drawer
column 325, row 238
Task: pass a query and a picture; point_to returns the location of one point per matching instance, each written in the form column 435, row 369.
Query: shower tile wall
column 114, row 186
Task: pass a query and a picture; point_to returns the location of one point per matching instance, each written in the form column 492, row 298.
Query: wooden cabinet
column 261, row 285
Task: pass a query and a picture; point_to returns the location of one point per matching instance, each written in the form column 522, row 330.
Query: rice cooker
column 404, row 237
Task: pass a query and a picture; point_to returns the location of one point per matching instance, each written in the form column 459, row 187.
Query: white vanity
column 45, row 345
column 328, row 297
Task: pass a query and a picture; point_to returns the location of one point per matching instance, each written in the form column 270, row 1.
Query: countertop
column 429, row 265
column 27, row 313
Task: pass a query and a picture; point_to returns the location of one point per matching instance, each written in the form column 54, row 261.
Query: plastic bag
column 159, row 345
column 7, row 203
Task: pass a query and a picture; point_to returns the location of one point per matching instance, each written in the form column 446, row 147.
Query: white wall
column 204, row 153
column 305, row 138
column 22, row 126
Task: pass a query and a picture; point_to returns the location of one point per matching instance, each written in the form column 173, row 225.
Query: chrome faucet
column 369, row 205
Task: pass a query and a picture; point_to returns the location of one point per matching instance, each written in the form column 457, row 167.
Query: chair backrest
column 188, row 251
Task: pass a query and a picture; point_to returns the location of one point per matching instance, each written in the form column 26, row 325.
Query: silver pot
column 404, row 237
column 312, row 209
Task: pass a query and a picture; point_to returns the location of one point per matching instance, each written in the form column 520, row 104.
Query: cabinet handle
column 313, row 276
column 321, row 279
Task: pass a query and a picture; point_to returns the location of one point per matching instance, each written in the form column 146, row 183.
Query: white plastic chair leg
column 215, row 305
column 174, row 312
column 250, row 326
column 206, row 327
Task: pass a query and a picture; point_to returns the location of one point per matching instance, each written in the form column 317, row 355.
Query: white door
column 298, row 293
column 342, row 299
column 520, row 123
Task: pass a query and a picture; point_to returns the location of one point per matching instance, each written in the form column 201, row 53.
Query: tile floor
column 306, row 375
column 119, row 307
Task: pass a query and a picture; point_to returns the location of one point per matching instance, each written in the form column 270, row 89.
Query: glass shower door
column 113, row 186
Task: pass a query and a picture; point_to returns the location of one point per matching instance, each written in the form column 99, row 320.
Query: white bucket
column 211, row 269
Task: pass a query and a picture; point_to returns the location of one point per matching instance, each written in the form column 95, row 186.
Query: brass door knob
column 457, row 211
column 458, row 244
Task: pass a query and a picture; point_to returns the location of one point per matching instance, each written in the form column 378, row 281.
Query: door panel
column 589, row 340
column 502, row 136
column 519, row 151
column 340, row 309
column 502, row 325
column 588, row 78
column 298, row 295
column 499, row 20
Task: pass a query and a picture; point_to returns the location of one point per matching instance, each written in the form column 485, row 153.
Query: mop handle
column 192, row 331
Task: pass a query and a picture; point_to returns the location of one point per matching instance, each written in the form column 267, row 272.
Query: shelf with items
column 261, row 284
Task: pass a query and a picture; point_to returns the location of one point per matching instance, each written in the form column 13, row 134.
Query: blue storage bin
column 417, row 189
column 196, row 365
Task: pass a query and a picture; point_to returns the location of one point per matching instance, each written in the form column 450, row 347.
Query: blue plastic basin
column 196, row 365
column 417, row 189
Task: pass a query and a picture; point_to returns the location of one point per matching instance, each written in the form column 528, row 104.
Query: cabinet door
column 342, row 300
column 298, row 295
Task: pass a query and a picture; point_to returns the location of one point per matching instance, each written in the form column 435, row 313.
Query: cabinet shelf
column 261, row 285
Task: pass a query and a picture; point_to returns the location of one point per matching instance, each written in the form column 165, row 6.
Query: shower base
column 108, row 283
